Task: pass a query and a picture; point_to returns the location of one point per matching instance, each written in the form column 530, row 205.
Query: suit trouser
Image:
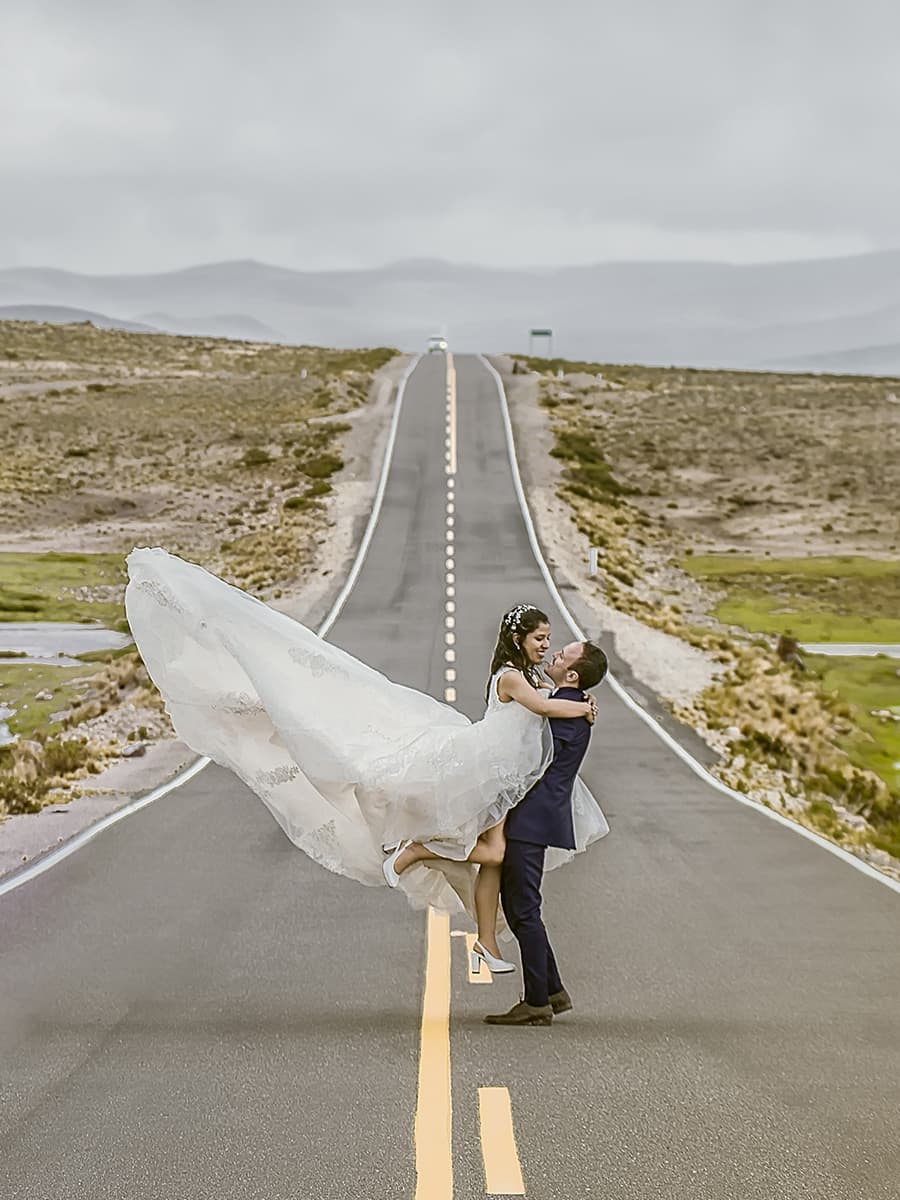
column 520, row 891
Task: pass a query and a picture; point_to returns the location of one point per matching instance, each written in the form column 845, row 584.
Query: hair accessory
column 513, row 618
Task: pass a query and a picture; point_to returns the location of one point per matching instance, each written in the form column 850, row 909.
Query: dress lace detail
column 239, row 703
column 346, row 760
column 160, row 594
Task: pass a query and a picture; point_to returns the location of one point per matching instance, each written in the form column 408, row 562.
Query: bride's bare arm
column 512, row 685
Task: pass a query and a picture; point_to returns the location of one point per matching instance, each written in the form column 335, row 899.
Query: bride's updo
column 514, row 628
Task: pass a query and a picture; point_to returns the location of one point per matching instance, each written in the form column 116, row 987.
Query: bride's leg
column 487, row 886
column 488, row 850
column 487, row 901
column 414, row 852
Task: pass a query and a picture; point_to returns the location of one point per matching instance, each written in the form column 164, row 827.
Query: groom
column 544, row 818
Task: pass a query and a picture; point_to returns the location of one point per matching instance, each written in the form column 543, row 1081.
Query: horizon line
column 423, row 260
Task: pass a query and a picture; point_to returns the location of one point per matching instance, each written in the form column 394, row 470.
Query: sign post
column 546, row 334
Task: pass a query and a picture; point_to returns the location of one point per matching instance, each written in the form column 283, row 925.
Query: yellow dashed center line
column 451, row 416
column 502, row 1173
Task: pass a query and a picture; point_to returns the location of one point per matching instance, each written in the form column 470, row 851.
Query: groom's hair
column 591, row 666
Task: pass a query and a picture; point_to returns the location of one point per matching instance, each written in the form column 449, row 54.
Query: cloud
column 138, row 137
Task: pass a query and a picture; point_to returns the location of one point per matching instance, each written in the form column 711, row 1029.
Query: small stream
column 55, row 642
column 851, row 649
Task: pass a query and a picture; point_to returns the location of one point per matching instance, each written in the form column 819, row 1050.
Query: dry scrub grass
column 661, row 465
column 111, row 439
column 788, row 464
column 75, row 742
column 220, row 451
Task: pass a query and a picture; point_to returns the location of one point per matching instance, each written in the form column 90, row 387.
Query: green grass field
column 20, row 683
column 824, row 599
column 867, row 684
column 62, row 587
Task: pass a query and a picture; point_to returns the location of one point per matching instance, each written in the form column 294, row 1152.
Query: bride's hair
column 514, row 628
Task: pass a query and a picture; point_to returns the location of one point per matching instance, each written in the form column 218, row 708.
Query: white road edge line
column 620, row 692
column 46, row 861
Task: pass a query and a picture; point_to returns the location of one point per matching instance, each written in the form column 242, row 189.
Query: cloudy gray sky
column 145, row 136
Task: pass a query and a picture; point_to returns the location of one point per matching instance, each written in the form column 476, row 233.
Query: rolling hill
column 685, row 313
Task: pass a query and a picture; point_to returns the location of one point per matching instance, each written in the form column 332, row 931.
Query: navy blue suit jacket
column 544, row 815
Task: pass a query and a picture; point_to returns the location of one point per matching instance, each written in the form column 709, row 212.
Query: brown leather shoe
column 561, row 1002
column 522, row 1014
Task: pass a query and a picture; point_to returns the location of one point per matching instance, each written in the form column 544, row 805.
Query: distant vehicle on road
column 437, row 343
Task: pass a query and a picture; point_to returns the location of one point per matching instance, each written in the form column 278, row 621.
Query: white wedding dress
column 346, row 760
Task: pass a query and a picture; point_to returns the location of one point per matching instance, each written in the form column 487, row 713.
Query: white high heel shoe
column 391, row 877
column 497, row 966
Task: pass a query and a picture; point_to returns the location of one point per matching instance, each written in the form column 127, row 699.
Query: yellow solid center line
column 502, row 1173
column 434, row 1121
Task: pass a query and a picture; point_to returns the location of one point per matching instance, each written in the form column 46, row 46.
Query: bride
column 347, row 761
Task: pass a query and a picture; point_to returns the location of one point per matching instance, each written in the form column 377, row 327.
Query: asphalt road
column 191, row 1008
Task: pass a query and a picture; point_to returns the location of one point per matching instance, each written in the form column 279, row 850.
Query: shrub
column 255, row 456
column 19, row 797
column 825, row 819
column 322, row 467
column 887, row 838
column 319, row 487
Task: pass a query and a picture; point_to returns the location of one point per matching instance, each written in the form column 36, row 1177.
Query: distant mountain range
column 226, row 325
column 57, row 314
column 865, row 360
column 839, row 314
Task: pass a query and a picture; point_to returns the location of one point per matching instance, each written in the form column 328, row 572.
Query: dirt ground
column 782, row 489
column 226, row 452
column 260, row 462
column 762, row 463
